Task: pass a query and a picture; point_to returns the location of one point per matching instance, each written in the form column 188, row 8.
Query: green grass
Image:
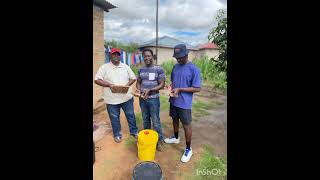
column 200, row 108
column 129, row 142
column 164, row 126
column 164, row 103
column 139, row 119
column 209, row 161
column 197, row 104
column 220, row 103
column 199, row 113
column 135, row 68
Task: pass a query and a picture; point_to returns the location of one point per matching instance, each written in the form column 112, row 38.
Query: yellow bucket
column 147, row 144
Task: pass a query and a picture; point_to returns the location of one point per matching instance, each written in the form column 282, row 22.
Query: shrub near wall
column 209, row 72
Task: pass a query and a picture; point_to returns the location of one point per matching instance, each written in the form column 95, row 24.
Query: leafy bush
column 218, row 35
column 135, row 68
column 167, row 67
column 209, row 71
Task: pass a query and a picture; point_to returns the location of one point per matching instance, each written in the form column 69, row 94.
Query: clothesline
column 125, row 57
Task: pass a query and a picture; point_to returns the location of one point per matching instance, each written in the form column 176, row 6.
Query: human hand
column 169, row 90
column 175, row 92
column 146, row 94
column 137, row 93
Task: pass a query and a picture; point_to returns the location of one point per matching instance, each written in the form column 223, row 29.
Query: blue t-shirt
column 150, row 78
column 184, row 76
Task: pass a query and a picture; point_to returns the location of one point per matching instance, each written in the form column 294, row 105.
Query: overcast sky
column 186, row 20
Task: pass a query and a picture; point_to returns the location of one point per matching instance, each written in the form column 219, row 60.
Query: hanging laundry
column 137, row 58
column 132, row 58
column 106, row 53
column 129, row 59
column 121, row 54
column 107, row 58
column 125, row 57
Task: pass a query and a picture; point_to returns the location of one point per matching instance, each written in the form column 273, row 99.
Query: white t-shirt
column 117, row 75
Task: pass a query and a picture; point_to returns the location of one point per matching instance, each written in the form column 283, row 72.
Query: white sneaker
column 186, row 155
column 172, row 140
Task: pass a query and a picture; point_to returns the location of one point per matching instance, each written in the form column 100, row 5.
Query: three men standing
column 185, row 78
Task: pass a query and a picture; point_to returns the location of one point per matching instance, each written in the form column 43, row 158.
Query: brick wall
column 98, row 49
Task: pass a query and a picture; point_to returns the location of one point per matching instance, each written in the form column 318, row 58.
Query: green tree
column 112, row 43
column 218, row 35
column 131, row 47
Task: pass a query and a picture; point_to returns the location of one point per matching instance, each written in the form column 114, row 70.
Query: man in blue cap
column 186, row 80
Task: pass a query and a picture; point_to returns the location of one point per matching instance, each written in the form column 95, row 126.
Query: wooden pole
column 157, row 33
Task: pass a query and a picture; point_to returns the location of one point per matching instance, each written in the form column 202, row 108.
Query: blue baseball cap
column 180, row 50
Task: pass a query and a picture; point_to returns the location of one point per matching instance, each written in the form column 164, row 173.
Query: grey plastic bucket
column 147, row 170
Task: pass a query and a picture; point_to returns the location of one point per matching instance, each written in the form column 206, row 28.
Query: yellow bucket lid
column 147, row 136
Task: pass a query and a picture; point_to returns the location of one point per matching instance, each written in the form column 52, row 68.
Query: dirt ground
column 117, row 160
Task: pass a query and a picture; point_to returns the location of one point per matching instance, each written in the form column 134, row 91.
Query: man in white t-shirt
column 117, row 73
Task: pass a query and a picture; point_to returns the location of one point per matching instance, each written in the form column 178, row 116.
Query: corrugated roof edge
column 165, row 47
column 151, row 43
column 105, row 5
